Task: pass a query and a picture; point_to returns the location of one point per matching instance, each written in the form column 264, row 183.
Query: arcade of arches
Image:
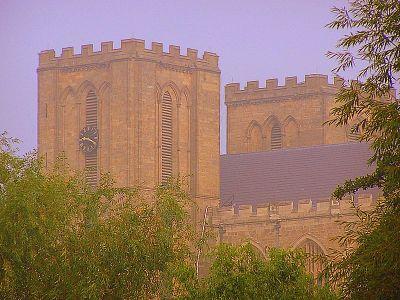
column 307, row 244
column 272, row 134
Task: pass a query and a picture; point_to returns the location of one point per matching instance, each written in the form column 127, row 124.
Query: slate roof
column 290, row 174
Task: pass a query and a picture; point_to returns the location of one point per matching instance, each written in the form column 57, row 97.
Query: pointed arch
column 172, row 88
column 291, row 131
column 272, row 130
column 254, row 137
column 105, row 87
column 252, row 124
column 168, row 131
column 67, row 92
column 185, row 93
column 84, row 88
column 308, row 237
column 313, row 248
column 289, row 119
column 256, row 246
column 270, row 121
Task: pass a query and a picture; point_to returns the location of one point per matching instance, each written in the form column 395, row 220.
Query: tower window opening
column 91, row 121
column 276, row 137
column 166, row 137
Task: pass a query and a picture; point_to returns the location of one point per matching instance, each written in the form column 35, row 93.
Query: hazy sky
column 255, row 40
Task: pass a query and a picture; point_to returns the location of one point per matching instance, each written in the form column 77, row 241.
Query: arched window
column 257, row 249
column 91, row 109
column 291, row 132
column 313, row 250
column 254, row 137
column 67, row 123
column 276, row 137
column 166, row 136
column 91, row 121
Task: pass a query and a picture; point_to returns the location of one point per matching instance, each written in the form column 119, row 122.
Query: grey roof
column 290, row 174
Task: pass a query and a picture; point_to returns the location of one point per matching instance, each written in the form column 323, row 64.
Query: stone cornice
column 303, row 96
column 106, row 65
column 258, row 220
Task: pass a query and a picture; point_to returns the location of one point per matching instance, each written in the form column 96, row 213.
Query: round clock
column 88, row 139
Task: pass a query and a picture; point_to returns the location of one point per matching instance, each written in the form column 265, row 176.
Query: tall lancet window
column 276, row 137
column 91, row 127
column 166, row 136
column 310, row 247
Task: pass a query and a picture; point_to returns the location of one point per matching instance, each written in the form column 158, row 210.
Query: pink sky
column 255, row 40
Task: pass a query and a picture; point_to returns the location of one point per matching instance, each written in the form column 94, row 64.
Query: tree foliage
column 369, row 268
column 241, row 272
column 59, row 238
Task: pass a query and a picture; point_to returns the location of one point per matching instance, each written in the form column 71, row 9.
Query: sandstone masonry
column 156, row 114
column 275, row 117
column 130, row 85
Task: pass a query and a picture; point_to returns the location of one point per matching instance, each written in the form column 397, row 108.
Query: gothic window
column 291, row 130
column 91, row 121
column 313, row 250
column 276, row 137
column 166, row 136
column 255, row 139
column 91, row 109
column 67, row 122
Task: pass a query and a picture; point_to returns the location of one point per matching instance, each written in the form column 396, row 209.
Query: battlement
column 130, row 48
column 291, row 209
column 253, row 90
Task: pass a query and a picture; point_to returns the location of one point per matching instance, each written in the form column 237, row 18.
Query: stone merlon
column 311, row 83
column 130, row 49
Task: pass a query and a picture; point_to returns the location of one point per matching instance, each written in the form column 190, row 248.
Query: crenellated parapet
column 272, row 91
column 130, row 49
column 280, row 211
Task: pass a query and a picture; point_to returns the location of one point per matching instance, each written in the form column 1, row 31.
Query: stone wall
column 272, row 117
column 129, row 83
column 312, row 226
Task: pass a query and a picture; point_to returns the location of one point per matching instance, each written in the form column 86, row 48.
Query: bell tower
column 140, row 114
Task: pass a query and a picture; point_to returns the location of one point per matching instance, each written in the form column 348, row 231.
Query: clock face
column 88, row 139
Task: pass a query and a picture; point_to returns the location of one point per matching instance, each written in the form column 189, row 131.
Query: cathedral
column 144, row 115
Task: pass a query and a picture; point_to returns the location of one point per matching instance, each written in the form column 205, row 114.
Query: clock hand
column 84, row 138
column 90, row 140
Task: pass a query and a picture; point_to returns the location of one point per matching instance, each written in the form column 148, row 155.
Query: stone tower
column 278, row 117
column 140, row 114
